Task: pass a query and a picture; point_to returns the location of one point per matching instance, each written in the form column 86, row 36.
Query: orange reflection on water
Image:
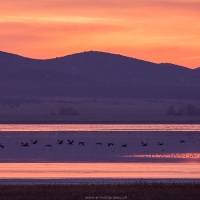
column 99, row 170
column 99, row 127
column 169, row 155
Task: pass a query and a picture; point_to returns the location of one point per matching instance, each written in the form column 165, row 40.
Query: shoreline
column 100, row 122
column 101, row 181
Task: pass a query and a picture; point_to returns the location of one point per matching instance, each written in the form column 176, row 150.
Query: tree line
column 190, row 110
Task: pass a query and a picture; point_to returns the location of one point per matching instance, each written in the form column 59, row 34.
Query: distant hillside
column 95, row 74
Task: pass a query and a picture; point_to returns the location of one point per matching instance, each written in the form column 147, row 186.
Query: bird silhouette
column 34, row 142
column 110, row 144
column 25, row 144
column 124, row 145
column 81, row 143
column 70, row 142
column 1, row 146
column 48, row 145
column 99, row 143
column 144, row 144
column 182, row 141
column 60, row 141
column 160, row 143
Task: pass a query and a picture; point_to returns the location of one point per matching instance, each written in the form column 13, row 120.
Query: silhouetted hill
column 95, row 74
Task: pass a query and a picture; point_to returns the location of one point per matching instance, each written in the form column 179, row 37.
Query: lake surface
column 99, row 170
column 99, row 127
column 178, row 160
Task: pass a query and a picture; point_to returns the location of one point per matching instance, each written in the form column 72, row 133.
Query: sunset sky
column 154, row 30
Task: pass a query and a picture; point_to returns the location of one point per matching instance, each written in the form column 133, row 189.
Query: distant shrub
column 181, row 111
column 192, row 110
column 68, row 112
column 94, row 100
column 171, row 110
column 189, row 110
column 52, row 113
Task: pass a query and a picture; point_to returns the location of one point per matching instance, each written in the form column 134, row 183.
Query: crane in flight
column 144, row 144
column 24, row 144
column 60, row 141
column 70, row 142
column 34, row 142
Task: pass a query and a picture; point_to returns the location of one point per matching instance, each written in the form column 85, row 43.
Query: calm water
column 100, row 127
column 99, row 170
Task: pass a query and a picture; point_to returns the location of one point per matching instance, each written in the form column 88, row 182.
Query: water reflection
column 185, row 156
column 99, row 127
column 165, row 146
column 99, row 170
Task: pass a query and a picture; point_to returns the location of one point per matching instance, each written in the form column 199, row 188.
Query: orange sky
column 154, row 30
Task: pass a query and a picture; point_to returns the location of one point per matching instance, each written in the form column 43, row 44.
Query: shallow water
column 188, row 152
column 99, row 170
column 161, row 146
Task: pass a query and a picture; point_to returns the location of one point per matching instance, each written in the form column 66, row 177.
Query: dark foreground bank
column 137, row 191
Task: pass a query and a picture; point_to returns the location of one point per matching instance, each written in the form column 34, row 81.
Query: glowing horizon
column 159, row 31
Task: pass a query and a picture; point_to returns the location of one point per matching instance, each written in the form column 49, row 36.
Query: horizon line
column 95, row 51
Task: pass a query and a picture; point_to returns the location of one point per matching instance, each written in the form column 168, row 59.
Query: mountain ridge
column 96, row 74
column 90, row 52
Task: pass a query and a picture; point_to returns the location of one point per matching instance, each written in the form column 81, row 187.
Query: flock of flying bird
column 71, row 142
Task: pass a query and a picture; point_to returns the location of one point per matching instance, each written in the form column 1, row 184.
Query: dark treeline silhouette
column 190, row 110
column 68, row 112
